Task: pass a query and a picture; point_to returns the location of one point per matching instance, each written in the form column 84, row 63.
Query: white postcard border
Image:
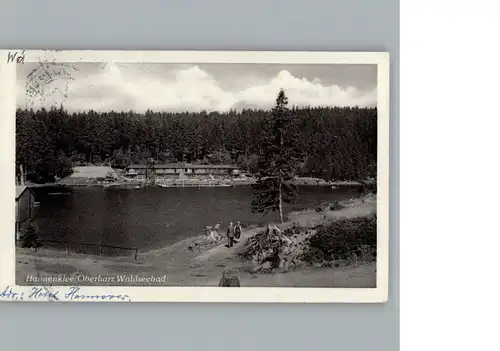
column 196, row 294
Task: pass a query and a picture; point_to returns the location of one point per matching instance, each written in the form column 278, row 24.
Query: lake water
column 150, row 218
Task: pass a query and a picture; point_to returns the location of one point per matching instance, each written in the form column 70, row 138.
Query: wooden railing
column 69, row 244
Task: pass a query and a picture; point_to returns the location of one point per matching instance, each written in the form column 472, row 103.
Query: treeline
column 334, row 143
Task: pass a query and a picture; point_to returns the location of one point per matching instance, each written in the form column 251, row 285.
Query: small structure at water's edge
column 25, row 205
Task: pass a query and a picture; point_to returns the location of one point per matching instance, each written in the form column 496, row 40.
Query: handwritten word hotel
column 81, row 278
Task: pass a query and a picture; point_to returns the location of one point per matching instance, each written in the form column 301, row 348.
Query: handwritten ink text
column 8, row 294
column 71, row 294
column 40, row 293
column 16, row 57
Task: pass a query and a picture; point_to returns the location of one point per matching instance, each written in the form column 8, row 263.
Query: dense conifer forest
column 332, row 142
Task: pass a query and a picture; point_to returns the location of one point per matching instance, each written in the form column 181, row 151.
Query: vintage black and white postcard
column 194, row 176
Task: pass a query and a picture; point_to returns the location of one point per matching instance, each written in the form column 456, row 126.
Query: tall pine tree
column 277, row 163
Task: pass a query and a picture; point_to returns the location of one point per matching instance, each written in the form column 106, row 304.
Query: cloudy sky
column 196, row 87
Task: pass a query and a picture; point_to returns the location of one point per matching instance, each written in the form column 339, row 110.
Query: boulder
column 229, row 279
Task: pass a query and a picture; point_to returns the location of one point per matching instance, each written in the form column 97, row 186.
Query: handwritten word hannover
column 16, row 57
column 71, row 294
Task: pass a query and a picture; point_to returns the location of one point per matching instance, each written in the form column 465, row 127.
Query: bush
column 63, row 166
column 29, row 236
column 341, row 239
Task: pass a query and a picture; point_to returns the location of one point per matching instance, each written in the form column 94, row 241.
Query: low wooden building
column 182, row 170
column 25, row 206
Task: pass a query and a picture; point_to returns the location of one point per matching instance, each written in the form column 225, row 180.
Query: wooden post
column 100, row 250
column 66, row 245
column 135, row 255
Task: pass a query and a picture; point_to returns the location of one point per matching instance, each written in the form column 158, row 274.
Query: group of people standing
column 233, row 233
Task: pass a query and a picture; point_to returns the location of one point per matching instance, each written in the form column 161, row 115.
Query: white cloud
column 118, row 88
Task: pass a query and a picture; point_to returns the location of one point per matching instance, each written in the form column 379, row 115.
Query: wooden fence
column 98, row 249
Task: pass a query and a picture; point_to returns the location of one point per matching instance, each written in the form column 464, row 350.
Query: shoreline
column 107, row 177
column 134, row 184
column 192, row 262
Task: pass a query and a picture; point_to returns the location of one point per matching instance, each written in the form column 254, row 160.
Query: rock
column 229, row 279
column 266, row 265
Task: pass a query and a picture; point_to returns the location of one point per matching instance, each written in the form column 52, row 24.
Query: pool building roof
column 183, row 165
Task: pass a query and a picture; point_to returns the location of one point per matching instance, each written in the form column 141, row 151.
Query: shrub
column 29, row 236
column 340, row 239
